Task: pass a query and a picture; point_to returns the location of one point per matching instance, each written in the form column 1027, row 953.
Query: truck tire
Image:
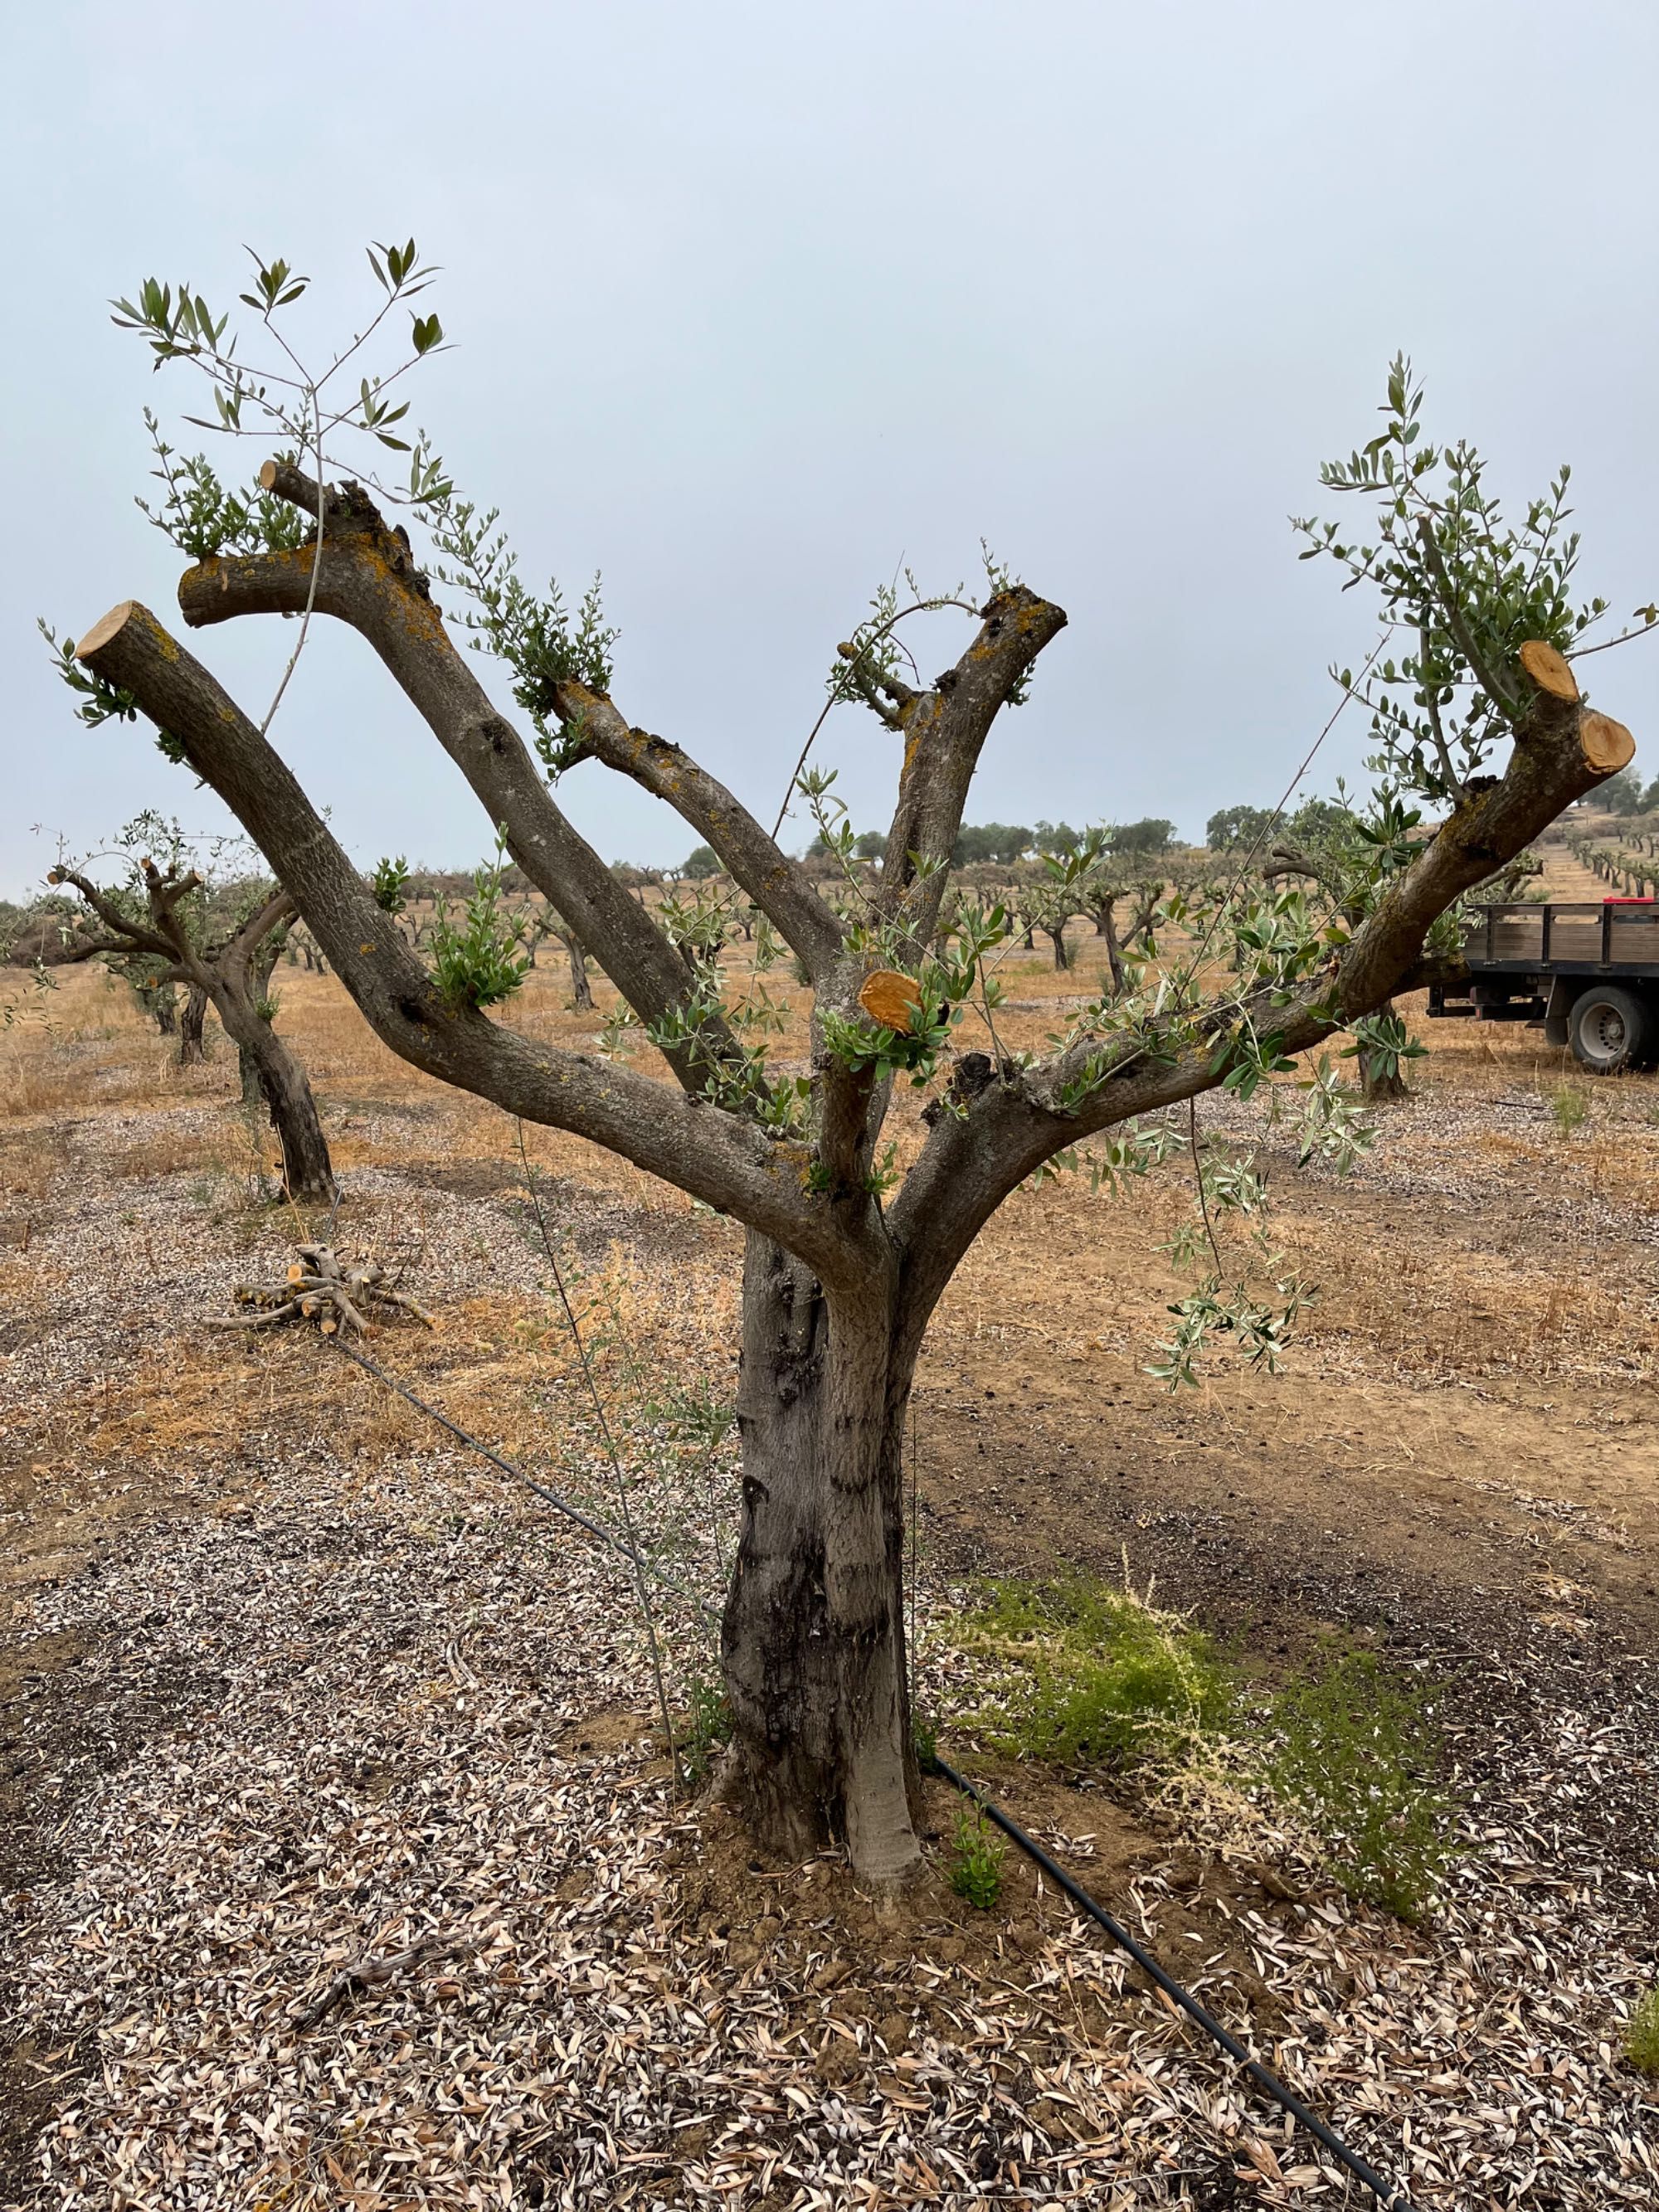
column 1609, row 1029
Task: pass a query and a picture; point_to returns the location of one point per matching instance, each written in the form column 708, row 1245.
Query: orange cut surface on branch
column 891, row 999
column 1607, row 745
column 1548, row 670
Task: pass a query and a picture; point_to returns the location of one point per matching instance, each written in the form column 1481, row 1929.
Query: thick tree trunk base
column 813, row 1637
column 1381, row 1081
column 1380, row 1088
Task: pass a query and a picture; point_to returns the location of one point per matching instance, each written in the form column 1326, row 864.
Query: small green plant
column 1570, row 1105
column 1093, row 1675
column 924, row 1739
column 475, row 964
column 975, row 1865
column 707, row 1728
column 1357, row 1755
column 1642, row 2034
column 390, row 884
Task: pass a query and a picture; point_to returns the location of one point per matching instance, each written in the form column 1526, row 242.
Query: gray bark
column 581, row 990
column 161, row 1002
column 813, row 1636
column 260, row 963
column 192, row 1045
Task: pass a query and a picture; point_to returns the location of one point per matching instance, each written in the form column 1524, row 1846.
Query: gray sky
column 754, row 301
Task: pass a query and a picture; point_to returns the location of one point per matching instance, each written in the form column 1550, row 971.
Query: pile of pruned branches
column 319, row 1287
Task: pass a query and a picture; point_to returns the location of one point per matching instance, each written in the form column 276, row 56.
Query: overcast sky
column 751, row 302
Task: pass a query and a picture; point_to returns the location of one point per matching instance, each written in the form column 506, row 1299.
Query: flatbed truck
column 1587, row 972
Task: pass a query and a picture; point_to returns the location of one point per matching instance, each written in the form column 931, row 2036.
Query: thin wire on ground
column 509, row 1467
column 1390, row 2198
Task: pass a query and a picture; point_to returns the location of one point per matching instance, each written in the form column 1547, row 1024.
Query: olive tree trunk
column 284, row 1086
column 1380, row 1075
column 837, row 1287
column 260, row 963
column 193, row 1047
column 581, row 991
column 1107, row 927
column 813, row 1635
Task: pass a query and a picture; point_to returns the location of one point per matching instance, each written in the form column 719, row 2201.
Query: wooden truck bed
column 1588, row 937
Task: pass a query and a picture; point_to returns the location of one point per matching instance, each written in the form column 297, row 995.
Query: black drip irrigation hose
column 559, row 1504
column 1390, row 2198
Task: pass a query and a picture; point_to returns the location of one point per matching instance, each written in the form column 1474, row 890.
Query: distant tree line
column 1003, row 844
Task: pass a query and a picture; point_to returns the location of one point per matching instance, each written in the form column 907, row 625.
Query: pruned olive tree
column 1474, row 705
column 163, row 925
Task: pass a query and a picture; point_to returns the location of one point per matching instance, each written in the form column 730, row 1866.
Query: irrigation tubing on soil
column 1390, row 2198
column 559, row 1504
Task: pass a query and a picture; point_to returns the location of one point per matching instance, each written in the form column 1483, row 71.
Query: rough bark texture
column 813, row 1637
column 307, row 1170
column 281, row 1083
column 259, row 965
column 193, row 1047
column 1107, row 928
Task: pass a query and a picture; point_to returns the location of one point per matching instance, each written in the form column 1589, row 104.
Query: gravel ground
column 400, row 1714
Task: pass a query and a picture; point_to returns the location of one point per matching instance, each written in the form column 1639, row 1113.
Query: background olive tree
column 168, row 914
column 854, row 1229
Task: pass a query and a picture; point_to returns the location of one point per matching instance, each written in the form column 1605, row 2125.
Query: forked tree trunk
column 813, row 1637
column 161, row 1002
column 192, row 1046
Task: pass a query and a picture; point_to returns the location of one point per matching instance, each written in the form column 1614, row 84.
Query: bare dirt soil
column 292, row 1681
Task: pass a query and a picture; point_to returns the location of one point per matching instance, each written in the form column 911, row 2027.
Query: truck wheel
column 1609, row 1029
